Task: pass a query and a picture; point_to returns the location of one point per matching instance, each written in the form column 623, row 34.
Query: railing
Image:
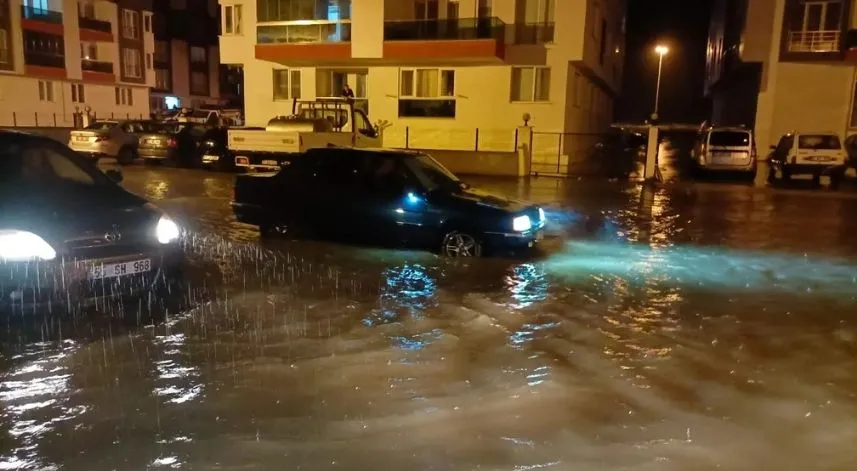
column 39, row 119
column 814, row 41
column 463, row 28
column 97, row 66
column 534, row 33
column 298, row 32
column 44, row 59
column 41, row 14
column 95, row 25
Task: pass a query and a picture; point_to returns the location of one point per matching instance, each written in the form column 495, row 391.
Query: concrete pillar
column 651, row 154
column 525, row 150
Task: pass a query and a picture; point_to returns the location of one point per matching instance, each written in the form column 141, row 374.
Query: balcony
column 96, row 66
column 534, row 33
column 41, row 15
column 813, row 41
column 44, row 59
column 465, row 39
column 95, row 25
column 304, row 32
column 306, row 40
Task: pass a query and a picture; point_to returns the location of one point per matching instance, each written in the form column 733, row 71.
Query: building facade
column 442, row 66
column 783, row 65
column 62, row 56
column 186, row 57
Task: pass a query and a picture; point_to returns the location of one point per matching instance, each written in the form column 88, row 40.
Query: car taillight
column 171, row 142
column 100, row 138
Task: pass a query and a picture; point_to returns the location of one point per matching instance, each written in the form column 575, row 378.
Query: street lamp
column 661, row 50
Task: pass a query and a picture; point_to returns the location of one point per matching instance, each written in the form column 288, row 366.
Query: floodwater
column 694, row 327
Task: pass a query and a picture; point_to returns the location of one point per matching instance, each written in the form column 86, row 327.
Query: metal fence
column 37, row 119
column 557, row 153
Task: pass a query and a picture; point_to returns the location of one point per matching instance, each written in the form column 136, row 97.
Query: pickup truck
column 313, row 124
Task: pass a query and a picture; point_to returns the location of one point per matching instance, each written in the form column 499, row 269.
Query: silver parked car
column 116, row 139
column 726, row 149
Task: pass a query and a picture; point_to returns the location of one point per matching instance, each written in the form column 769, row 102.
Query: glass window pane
column 237, row 19
column 543, row 84
column 295, row 84
column 447, row 83
column 522, row 84
column 407, row 85
column 427, row 83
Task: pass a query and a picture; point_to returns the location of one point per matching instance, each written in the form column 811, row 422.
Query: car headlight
column 522, row 224
column 20, row 246
column 167, row 231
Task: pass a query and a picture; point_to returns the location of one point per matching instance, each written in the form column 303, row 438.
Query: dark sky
column 683, row 26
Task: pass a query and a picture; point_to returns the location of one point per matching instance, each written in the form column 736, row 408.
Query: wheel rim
column 460, row 245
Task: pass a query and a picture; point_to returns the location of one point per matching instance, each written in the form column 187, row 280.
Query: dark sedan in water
column 172, row 142
column 69, row 233
column 385, row 196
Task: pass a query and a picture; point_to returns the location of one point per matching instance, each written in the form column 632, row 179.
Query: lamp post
column 661, row 50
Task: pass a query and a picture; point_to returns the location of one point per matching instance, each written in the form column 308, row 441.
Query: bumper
column 90, row 152
column 812, row 169
column 515, row 240
column 29, row 286
column 156, row 154
column 751, row 167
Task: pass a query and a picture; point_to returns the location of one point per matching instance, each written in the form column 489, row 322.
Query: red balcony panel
column 98, row 77
column 42, row 27
column 95, row 36
column 303, row 52
column 44, row 72
column 445, row 49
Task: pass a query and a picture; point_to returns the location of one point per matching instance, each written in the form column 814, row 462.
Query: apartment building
column 186, row 58
column 60, row 56
column 444, row 65
column 782, row 65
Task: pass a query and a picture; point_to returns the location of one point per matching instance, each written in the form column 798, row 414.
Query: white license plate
column 153, row 142
column 270, row 162
column 112, row 270
column 81, row 139
column 209, row 158
column 821, row 159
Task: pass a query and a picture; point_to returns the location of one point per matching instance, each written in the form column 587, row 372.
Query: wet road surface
column 697, row 326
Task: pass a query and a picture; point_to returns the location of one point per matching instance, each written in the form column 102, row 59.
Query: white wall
column 367, row 24
column 71, row 40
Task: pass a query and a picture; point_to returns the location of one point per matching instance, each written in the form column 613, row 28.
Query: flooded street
column 692, row 327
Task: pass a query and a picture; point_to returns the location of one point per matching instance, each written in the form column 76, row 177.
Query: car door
column 391, row 213
column 327, row 192
column 366, row 135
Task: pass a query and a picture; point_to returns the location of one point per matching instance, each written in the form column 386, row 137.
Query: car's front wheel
column 461, row 244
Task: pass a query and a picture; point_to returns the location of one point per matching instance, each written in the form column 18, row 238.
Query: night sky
column 683, row 26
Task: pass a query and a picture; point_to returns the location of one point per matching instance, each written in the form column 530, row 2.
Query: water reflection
column 407, row 290
column 528, row 284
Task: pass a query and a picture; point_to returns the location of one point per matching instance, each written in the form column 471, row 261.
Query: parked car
column 398, row 198
column 176, row 143
column 116, row 139
column 214, row 151
column 726, row 149
column 70, row 233
column 811, row 153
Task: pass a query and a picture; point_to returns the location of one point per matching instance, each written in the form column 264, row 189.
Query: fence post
column 36, row 114
column 559, row 153
column 55, row 120
column 14, row 119
column 516, row 140
column 407, row 137
column 477, row 140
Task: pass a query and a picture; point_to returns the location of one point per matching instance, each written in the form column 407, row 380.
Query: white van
column 809, row 153
column 726, row 149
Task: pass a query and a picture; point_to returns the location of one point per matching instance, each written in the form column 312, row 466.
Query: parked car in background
column 114, row 139
column 214, row 152
column 390, row 197
column 70, row 233
column 172, row 142
column 810, row 153
column 726, row 149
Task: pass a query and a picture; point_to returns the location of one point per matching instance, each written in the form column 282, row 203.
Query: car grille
column 93, row 247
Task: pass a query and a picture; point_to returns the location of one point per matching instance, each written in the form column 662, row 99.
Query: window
column 531, row 83
column 147, row 23
column 5, row 50
column 86, row 9
column 162, row 51
column 162, row 79
column 148, row 61
column 88, row 51
column 199, row 83
column 329, row 83
column 603, row 46
column 131, row 66
column 232, row 15
column 427, row 83
column 287, row 84
column 46, row 90
column 197, row 54
column 535, row 11
column 130, row 28
column 124, row 96
column 293, row 10
column 483, row 9
column 77, row 95
column 43, row 44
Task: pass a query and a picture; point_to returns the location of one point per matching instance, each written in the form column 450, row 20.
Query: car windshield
column 729, row 138
column 819, row 142
column 431, row 173
column 44, row 164
column 101, row 126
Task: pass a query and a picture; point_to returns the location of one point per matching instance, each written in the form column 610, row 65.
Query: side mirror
column 114, row 175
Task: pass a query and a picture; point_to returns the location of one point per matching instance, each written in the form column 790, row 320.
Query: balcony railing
column 297, row 32
column 534, row 33
column 44, row 59
column 97, row 66
column 41, row 14
column 814, row 41
column 95, row 25
column 427, row 30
